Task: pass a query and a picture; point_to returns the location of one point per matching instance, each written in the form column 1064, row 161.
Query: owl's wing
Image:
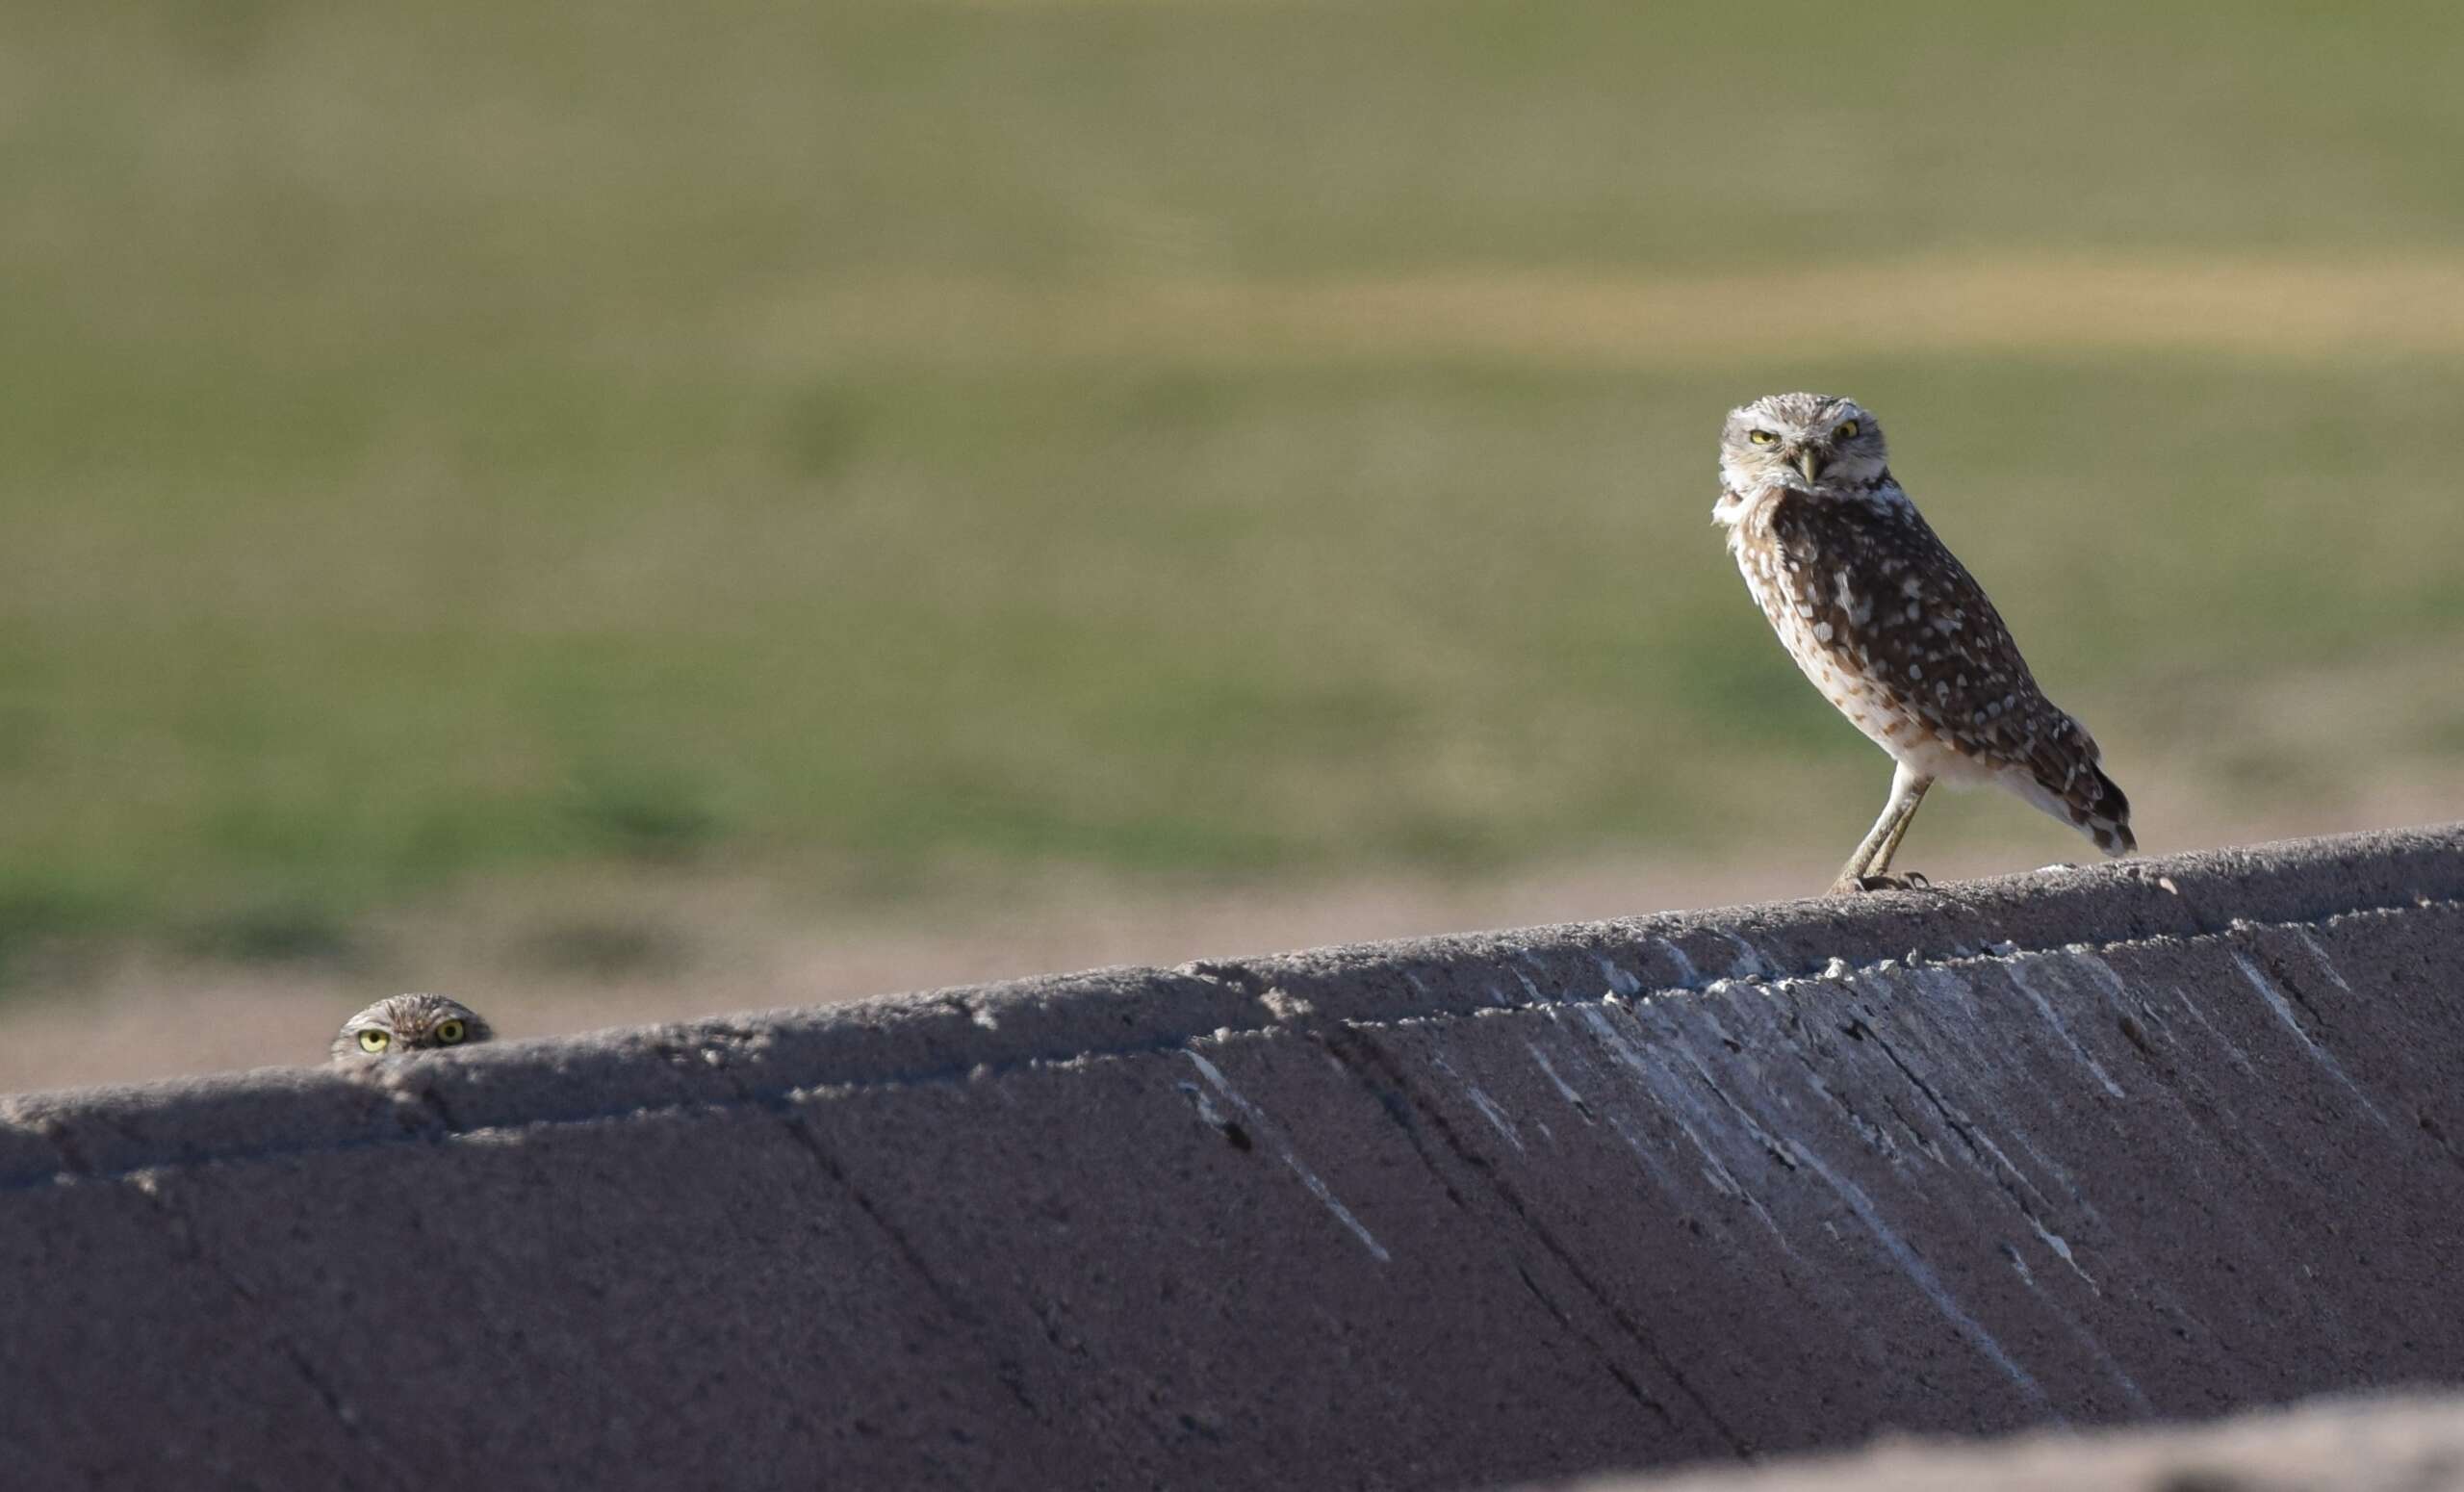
column 1962, row 672
column 1896, row 608
column 1898, row 611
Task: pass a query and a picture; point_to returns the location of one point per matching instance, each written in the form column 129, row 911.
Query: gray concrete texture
column 2157, row 1139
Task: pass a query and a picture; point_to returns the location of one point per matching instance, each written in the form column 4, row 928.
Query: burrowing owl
column 408, row 1024
column 1891, row 629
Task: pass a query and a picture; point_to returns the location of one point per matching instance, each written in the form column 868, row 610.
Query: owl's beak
column 1810, row 462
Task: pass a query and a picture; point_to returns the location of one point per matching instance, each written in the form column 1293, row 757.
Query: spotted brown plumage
column 1891, row 627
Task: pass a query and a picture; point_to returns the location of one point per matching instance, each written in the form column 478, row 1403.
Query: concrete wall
column 2162, row 1138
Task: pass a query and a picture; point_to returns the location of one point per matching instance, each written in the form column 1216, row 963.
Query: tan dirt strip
column 2032, row 306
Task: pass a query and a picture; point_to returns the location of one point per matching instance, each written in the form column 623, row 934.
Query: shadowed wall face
column 2149, row 1142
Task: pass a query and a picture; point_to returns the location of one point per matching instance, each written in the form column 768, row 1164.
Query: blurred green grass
column 422, row 457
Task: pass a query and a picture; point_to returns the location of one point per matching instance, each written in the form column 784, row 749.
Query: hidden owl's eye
column 1761, row 437
column 1847, row 430
column 373, row 1041
column 448, row 1032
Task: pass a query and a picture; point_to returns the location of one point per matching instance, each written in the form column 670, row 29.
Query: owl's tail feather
column 2099, row 808
column 2073, row 788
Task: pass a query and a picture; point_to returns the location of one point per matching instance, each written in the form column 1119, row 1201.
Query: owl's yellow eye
column 448, row 1032
column 1761, row 437
column 373, row 1041
column 1847, row 430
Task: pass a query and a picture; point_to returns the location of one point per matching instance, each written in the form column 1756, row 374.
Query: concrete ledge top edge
column 943, row 1035
column 2182, row 895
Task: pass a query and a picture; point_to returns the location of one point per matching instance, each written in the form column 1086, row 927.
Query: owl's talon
column 1853, row 886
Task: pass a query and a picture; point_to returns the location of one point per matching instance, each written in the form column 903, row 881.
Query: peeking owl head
column 408, row 1024
column 1811, row 442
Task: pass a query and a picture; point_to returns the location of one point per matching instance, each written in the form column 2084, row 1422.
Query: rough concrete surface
column 2387, row 1443
column 2160, row 1139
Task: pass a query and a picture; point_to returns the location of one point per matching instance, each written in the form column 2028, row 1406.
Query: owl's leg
column 1873, row 857
column 1915, row 785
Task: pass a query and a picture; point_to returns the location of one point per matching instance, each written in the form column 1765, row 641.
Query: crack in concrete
column 800, row 1133
column 180, row 1231
column 1557, row 1313
column 1986, row 1159
column 1374, row 1068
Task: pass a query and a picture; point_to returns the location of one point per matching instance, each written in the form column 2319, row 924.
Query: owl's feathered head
column 1817, row 444
column 408, row 1023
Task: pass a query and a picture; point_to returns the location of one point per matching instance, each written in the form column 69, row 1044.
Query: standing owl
column 406, row 1023
column 1892, row 628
